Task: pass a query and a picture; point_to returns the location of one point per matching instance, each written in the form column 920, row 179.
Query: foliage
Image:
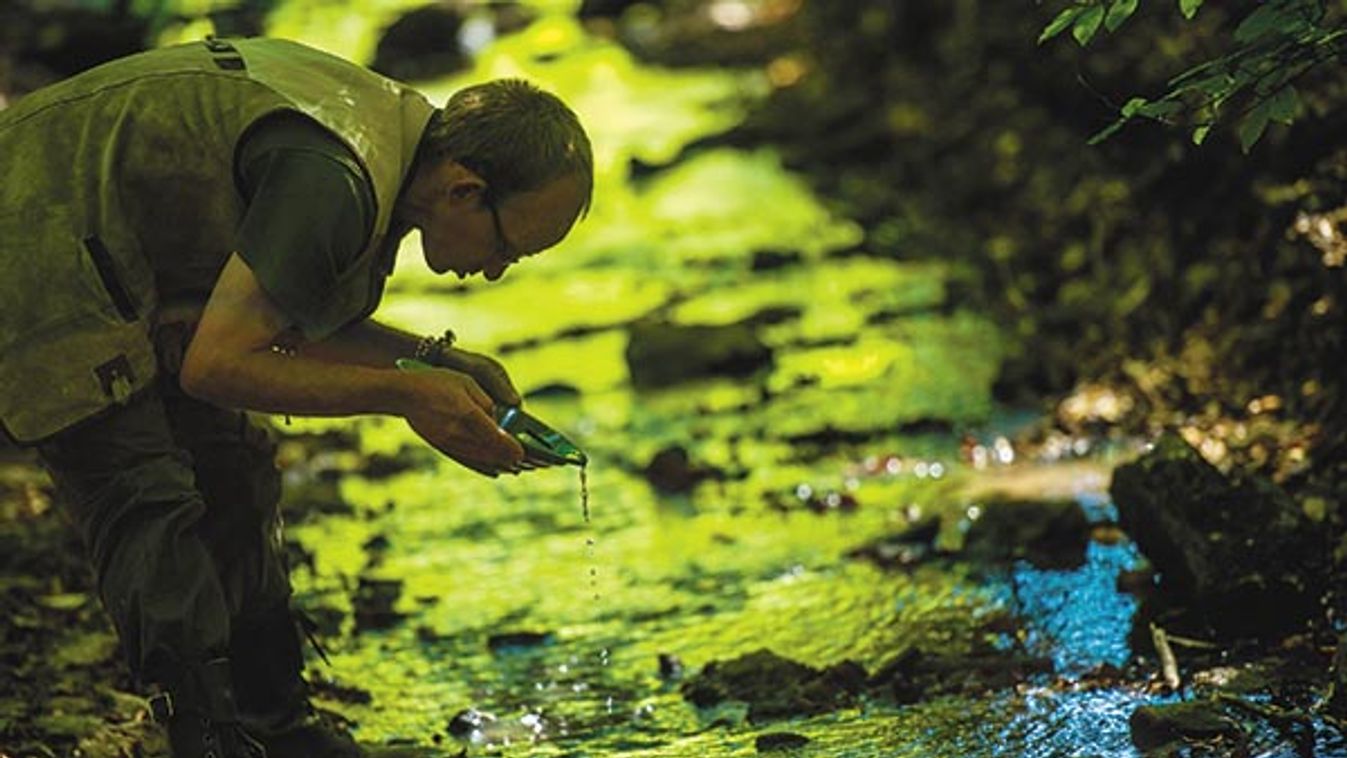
column 1272, row 46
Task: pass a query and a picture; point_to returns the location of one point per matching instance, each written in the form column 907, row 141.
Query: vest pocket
column 112, row 282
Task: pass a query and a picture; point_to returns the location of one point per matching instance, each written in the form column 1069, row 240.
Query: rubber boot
column 273, row 698
column 202, row 719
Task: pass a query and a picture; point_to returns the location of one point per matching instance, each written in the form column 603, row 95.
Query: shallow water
column 817, row 456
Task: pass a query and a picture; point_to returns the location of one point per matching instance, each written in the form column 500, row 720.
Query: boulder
column 661, row 354
column 1050, row 534
column 1154, row 726
column 1240, row 555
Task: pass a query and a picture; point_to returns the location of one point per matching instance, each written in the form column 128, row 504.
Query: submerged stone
column 670, row 667
column 773, row 741
column 1050, row 534
column 508, row 642
column 1239, row 555
column 906, row 549
column 768, row 260
column 662, row 354
column 776, row 687
column 672, row 471
column 916, row 675
column 374, row 602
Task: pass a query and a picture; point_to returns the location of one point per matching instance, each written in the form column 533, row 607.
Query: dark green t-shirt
column 310, row 213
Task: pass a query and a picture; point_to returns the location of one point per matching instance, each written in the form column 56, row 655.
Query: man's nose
column 494, row 271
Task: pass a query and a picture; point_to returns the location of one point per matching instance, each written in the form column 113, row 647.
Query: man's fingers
column 501, row 387
column 479, row 396
column 496, row 444
column 480, row 468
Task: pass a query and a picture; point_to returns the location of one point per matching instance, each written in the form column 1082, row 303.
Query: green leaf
column 1160, row 110
column 1252, row 126
column 1060, row 23
column 1283, row 106
column 1263, row 20
column 1200, row 134
column 1118, row 12
column 1088, row 24
column 1189, row 7
column 1133, row 106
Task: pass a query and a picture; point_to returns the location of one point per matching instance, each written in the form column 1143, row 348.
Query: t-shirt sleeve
column 309, row 215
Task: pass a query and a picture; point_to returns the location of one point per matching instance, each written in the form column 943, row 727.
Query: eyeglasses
column 504, row 250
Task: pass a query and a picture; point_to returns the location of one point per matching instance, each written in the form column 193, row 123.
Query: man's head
column 504, row 171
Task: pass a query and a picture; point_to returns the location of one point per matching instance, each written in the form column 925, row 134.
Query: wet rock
column 671, row 471
column 469, row 720
column 670, row 667
column 407, row 458
column 553, row 390
column 342, row 693
column 775, row 687
column 776, row 314
column 1050, row 534
column 906, row 549
column 770, row 260
column 916, row 675
column 513, row 642
column 422, row 44
column 374, row 601
column 1154, row 726
column 774, row 741
column 1240, row 555
column 662, row 354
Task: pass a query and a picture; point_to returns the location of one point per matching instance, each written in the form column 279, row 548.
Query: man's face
column 473, row 232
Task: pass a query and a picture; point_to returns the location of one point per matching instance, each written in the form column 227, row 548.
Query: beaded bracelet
column 430, row 347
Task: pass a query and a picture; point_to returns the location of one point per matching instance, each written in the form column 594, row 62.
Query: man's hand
column 488, row 372
column 453, row 415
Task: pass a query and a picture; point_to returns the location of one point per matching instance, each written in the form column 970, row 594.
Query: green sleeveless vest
column 117, row 190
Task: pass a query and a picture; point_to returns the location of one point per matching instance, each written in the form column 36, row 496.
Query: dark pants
column 176, row 500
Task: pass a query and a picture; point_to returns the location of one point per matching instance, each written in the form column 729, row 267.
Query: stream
column 491, row 615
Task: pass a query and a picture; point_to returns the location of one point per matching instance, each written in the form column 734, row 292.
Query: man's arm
column 369, row 343
column 230, row 362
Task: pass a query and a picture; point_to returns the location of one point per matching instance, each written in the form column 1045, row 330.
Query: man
column 200, row 230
